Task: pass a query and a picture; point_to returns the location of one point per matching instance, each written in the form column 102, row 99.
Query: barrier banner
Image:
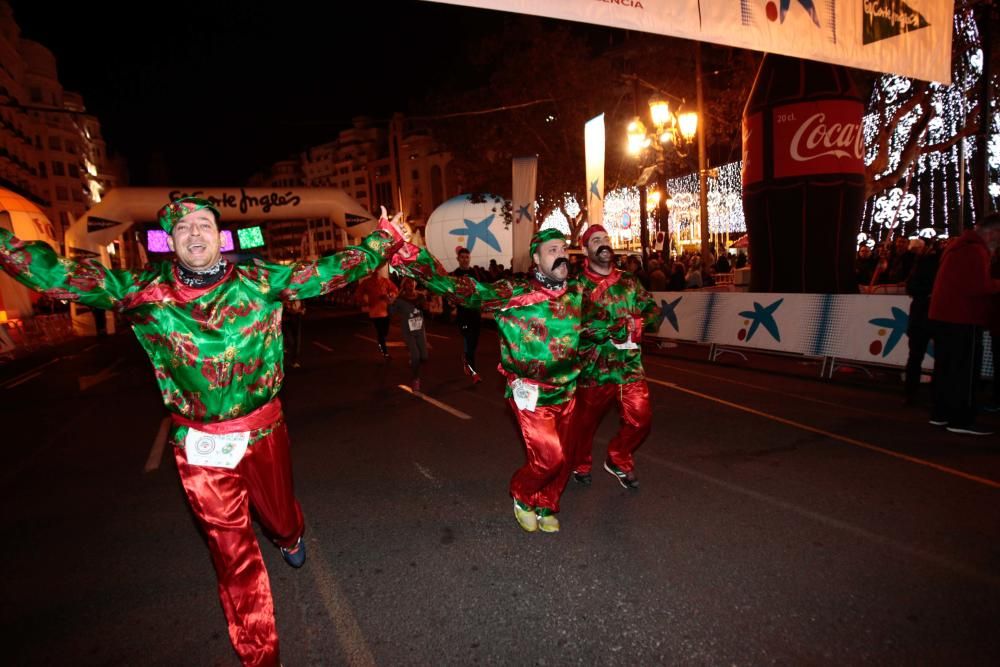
column 868, row 328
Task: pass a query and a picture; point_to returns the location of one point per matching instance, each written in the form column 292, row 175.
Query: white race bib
column 416, row 322
column 525, row 394
column 627, row 345
column 217, row 451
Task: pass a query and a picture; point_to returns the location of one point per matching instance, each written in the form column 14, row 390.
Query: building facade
column 51, row 150
column 390, row 164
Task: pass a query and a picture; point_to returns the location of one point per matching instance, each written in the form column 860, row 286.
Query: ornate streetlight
column 669, row 129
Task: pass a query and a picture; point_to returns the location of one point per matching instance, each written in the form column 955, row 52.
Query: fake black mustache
column 556, row 264
column 605, row 247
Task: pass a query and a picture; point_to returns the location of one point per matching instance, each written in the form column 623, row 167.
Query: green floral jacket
column 217, row 352
column 615, row 298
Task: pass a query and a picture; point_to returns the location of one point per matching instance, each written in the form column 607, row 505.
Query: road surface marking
column 349, row 635
column 21, row 379
column 842, row 438
column 388, row 343
column 159, row 442
column 436, row 403
column 88, row 381
column 322, row 346
column 800, row 397
column 33, row 372
column 439, row 336
column 947, row 563
column 425, row 472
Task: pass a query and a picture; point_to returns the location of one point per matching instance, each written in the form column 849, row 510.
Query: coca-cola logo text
column 815, row 138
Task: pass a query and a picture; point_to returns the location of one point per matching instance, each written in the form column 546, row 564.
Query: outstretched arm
column 465, row 290
column 413, row 262
column 36, row 265
column 304, row 280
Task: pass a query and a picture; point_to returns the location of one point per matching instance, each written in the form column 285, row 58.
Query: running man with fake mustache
column 538, row 321
column 614, row 371
column 212, row 331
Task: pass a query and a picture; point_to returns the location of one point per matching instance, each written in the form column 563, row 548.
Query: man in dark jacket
column 918, row 332
column 960, row 308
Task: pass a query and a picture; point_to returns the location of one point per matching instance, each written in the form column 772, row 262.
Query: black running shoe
column 626, row 479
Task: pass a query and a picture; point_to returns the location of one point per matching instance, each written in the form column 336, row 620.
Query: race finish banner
column 906, row 37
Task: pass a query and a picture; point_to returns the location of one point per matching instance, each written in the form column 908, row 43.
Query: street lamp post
column 669, row 129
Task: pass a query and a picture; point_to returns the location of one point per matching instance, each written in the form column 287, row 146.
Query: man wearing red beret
column 614, row 370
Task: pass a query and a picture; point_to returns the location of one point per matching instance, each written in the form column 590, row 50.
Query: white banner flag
column 593, row 133
column 907, row 37
column 525, row 173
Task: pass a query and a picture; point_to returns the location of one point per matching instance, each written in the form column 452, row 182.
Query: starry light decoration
column 895, row 208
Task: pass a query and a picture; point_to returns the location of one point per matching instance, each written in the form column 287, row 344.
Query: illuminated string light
column 932, row 191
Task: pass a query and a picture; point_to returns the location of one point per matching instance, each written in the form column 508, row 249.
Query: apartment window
column 58, row 169
column 77, row 194
column 35, row 94
column 38, row 141
column 360, row 195
column 55, row 144
column 73, row 170
column 70, row 147
column 345, row 184
column 43, row 170
column 359, row 181
column 415, row 175
column 62, row 194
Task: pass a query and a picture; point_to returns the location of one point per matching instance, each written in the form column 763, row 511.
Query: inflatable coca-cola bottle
column 803, row 176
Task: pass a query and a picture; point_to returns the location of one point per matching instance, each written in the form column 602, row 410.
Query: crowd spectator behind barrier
column 677, row 280
column 741, row 260
column 901, row 258
column 693, row 279
column 657, row 278
column 864, row 266
column 634, row 266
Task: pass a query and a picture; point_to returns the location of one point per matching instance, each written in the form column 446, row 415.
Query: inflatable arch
column 123, row 207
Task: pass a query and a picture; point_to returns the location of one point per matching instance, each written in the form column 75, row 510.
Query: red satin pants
column 635, row 422
column 221, row 499
column 540, row 481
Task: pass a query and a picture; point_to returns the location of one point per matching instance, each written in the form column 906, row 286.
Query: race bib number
column 416, row 322
column 214, row 450
column 634, row 336
column 525, row 394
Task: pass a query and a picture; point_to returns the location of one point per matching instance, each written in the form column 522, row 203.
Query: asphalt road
column 781, row 520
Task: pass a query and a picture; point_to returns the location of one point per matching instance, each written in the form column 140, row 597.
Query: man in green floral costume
column 538, row 320
column 614, row 371
column 213, row 333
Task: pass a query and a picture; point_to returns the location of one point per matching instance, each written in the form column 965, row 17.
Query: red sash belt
column 262, row 417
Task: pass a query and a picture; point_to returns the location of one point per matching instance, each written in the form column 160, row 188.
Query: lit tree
column 916, row 133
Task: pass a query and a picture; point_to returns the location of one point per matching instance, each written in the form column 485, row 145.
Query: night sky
column 223, row 89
